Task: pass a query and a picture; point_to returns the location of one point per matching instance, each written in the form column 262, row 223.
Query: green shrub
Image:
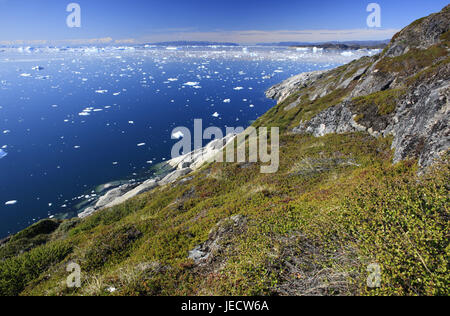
column 16, row 272
column 112, row 245
column 384, row 101
column 401, row 222
column 43, row 227
column 32, row 237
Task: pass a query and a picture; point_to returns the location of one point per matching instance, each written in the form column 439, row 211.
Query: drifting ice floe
column 11, row 202
column 222, row 69
column 347, row 54
column 177, row 135
column 2, row 153
column 191, row 84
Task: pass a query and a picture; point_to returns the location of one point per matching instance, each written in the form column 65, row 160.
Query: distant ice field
column 73, row 119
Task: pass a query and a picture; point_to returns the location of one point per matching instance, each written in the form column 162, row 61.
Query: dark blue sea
column 74, row 119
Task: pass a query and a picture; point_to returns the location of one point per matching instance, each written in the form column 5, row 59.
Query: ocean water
column 73, row 119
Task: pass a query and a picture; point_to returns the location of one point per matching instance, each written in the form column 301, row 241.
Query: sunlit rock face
column 404, row 93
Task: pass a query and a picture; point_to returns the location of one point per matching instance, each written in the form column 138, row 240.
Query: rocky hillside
column 403, row 92
column 363, row 186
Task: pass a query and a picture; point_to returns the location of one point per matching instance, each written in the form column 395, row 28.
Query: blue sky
column 225, row 20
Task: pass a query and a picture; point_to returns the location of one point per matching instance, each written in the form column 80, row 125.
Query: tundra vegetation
column 337, row 205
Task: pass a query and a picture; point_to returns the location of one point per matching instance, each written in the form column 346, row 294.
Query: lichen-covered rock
column 283, row 90
column 216, row 244
column 421, row 34
column 338, row 119
column 403, row 93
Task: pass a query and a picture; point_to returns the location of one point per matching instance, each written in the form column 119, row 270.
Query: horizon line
column 246, row 37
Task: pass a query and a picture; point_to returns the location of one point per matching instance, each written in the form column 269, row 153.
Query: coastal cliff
column 363, row 186
column 403, row 93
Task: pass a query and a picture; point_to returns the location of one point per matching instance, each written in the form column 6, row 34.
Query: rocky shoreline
column 176, row 169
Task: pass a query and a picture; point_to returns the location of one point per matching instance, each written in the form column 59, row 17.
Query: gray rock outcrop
column 419, row 123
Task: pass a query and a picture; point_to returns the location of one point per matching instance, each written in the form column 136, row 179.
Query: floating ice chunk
column 116, row 94
column 227, row 101
column 238, row 88
column 101, row 91
column 252, row 105
column 2, row 153
column 171, row 48
column 216, row 114
column 172, row 79
column 12, row 202
column 7, row 131
column 141, row 144
column 37, row 68
column 317, row 50
column 177, row 135
column 131, row 122
column 191, row 84
column 25, row 75
column 347, row 54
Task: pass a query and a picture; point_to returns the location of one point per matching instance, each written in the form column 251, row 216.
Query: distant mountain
column 193, row 43
column 333, row 44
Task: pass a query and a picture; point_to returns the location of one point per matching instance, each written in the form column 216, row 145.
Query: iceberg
column 177, row 135
column 191, row 84
column 2, row 153
column 347, row 54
